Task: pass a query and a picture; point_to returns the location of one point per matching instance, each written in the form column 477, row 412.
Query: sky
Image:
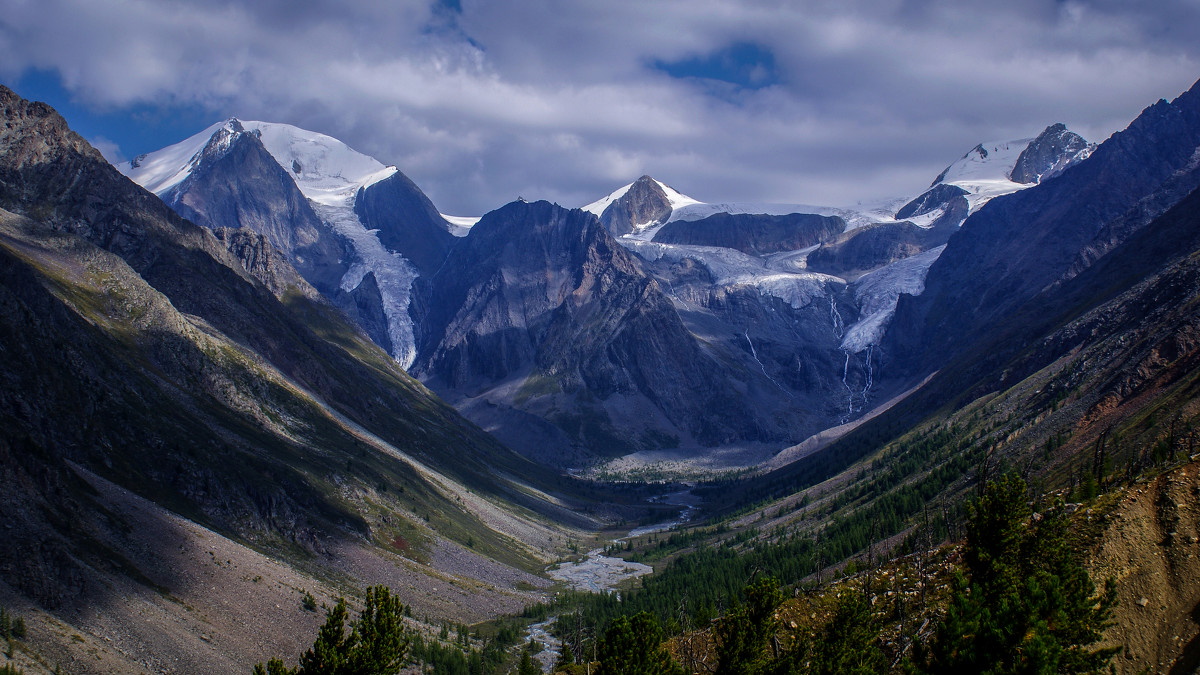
column 827, row 102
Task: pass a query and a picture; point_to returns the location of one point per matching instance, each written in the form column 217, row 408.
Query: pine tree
column 376, row 644
column 744, row 632
column 527, row 667
column 566, row 658
column 634, row 647
column 1026, row 604
column 848, row 643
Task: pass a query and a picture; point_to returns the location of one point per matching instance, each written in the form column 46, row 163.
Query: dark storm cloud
column 817, row 102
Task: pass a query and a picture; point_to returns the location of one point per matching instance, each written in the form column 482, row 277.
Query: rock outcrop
column 540, row 309
column 645, row 203
column 756, row 234
column 1051, row 153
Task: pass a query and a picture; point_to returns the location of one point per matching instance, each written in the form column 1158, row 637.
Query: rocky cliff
column 539, row 309
column 189, row 370
column 756, row 234
column 1017, row 245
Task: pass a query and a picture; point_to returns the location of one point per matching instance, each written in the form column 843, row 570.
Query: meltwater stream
column 601, row 573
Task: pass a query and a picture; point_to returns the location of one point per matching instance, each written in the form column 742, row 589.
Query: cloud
column 817, row 102
column 110, row 150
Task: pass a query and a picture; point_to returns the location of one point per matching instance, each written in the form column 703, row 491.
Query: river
column 601, row 573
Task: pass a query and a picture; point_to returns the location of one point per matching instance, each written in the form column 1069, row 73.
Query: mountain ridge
column 140, row 348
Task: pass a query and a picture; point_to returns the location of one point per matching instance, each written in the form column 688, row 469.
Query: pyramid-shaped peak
column 1050, row 154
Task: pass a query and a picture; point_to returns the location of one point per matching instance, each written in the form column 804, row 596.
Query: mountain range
column 261, row 342
column 675, row 328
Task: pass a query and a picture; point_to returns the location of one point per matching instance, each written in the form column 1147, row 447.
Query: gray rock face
column 807, row 379
column 364, row 306
column 756, row 234
column 1051, row 153
column 540, row 310
column 1017, row 245
column 265, row 262
column 867, row 248
column 871, row 247
column 408, row 222
column 645, row 202
column 237, row 183
column 932, row 199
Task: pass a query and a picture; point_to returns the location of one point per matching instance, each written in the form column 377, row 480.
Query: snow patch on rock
column 729, row 267
column 878, row 292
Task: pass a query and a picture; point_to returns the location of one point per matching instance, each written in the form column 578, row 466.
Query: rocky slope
column 204, row 375
column 1016, row 246
column 1148, row 544
column 540, row 310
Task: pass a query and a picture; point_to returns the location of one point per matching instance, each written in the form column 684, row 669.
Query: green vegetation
column 308, row 602
column 11, row 627
column 527, row 666
column 693, row 588
column 634, row 647
column 743, row 634
column 376, row 644
column 749, row 640
column 1025, row 605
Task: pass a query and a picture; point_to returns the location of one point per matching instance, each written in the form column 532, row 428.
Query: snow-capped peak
column 677, row 199
column 985, row 162
column 163, row 169
column 325, row 169
column 597, row 207
column 984, row 171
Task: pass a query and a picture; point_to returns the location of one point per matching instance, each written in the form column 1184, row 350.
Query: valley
column 257, row 371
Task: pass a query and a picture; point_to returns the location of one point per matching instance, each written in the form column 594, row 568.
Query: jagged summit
column 996, row 168
column 325, row 169
column 639, row 206
column 1050, row 154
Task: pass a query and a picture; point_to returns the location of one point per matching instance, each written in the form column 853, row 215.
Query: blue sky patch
column 744, row 64
column 132, row 130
